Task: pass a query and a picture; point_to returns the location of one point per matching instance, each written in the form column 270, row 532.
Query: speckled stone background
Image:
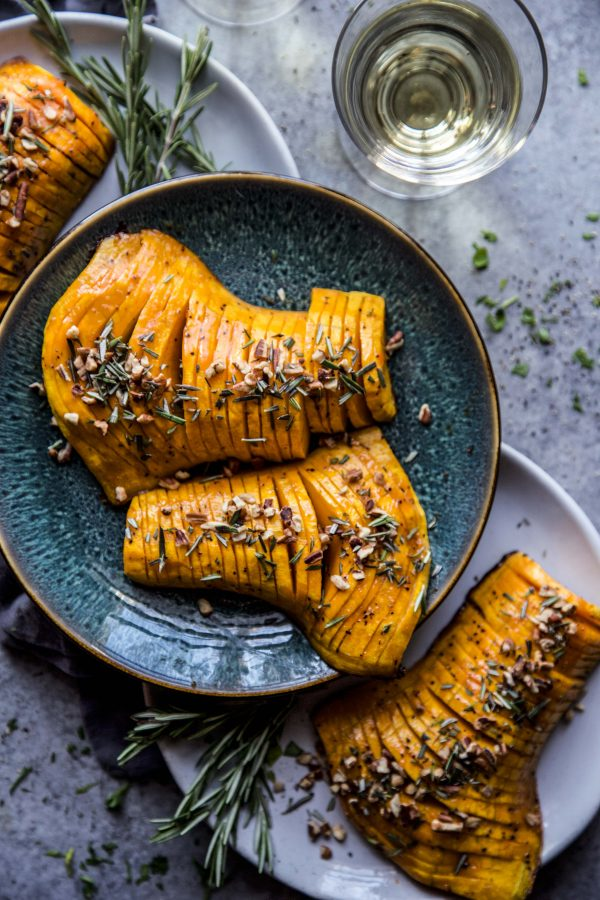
column 537, row 205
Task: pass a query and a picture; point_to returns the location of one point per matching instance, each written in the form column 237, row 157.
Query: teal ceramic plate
column 258, row 233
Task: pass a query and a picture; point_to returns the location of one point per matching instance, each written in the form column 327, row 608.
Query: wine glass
column 434, row 93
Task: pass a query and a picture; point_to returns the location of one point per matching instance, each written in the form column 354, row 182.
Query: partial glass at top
column 243, row 12
column 436, row 92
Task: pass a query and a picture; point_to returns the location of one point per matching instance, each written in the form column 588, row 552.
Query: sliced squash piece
column 356, row 406
column 464, row 729
column 377, row 382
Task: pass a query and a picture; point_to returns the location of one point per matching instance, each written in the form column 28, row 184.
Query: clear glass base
column 242, row 12
column 384, row 182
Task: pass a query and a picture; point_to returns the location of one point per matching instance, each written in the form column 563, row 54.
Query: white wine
column 432, row 86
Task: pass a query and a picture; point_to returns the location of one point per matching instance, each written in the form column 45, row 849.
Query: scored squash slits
column 246, row 383
column 284, row 522
column 447, row 754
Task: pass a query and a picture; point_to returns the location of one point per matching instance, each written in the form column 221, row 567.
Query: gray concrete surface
column 537, row 205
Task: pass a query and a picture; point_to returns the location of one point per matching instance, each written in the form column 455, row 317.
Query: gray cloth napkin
column 108, row 698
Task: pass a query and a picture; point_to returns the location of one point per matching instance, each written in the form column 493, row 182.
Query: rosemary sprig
column 232, row 777
column 152, row 138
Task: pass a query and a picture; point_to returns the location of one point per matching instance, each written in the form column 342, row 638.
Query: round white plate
column 530, row 513
column 235, row 126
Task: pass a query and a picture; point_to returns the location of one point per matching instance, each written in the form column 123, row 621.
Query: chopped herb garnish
column 581, row 356
column 589, row 235
column 294, row 559
column 462, row 862
column 293, row 749
column 577, row 403
column 542, row 336
column 537, row 709
column 115, row 800
column 88, row 886
column 169, row 415
column 23, row 774
column 496, row 320
column 297, row 804
column 69, row 856
column 582, row 77
column 490, row 236
column 336, row 621
column 593, row 217
column 556, row 287
column 480, row 257
column 520, row 369
column 86, row 787
column 528, row 316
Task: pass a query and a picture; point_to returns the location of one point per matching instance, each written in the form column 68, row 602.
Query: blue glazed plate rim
column 7, row 547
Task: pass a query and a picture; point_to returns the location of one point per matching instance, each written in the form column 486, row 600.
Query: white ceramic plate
column 235, row 126
column 530, row 513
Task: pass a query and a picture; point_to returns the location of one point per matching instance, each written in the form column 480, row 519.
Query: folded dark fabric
column 108, row 697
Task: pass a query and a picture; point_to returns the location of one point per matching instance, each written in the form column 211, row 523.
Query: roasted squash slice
column 218, row 379
column 55, row 148
column 374, row 600
column 438, row 767
column 377, row 382
column 302, row 527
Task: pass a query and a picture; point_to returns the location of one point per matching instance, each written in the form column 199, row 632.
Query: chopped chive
column 23, row 774
column 336, row 621
column 462, row 862
column 297, row 556
column 365, row 369
column 481, row 258
column 297, row 804
column 581, row 356
column 169, row 415
column 520, row 369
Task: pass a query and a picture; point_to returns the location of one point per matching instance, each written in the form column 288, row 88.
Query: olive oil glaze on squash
column 151, row 365
column 338, row 542
column 437, row 768
column 54, row 148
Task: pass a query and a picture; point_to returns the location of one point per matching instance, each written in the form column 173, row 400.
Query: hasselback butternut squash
column 151, row 365
column 438, row 768
column 54, row 149
column 338, row 542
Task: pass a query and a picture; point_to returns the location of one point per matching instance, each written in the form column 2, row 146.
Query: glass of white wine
column 434, row 93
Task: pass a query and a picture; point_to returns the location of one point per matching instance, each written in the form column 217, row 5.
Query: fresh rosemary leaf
column 232, row 778
column 153, row 138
